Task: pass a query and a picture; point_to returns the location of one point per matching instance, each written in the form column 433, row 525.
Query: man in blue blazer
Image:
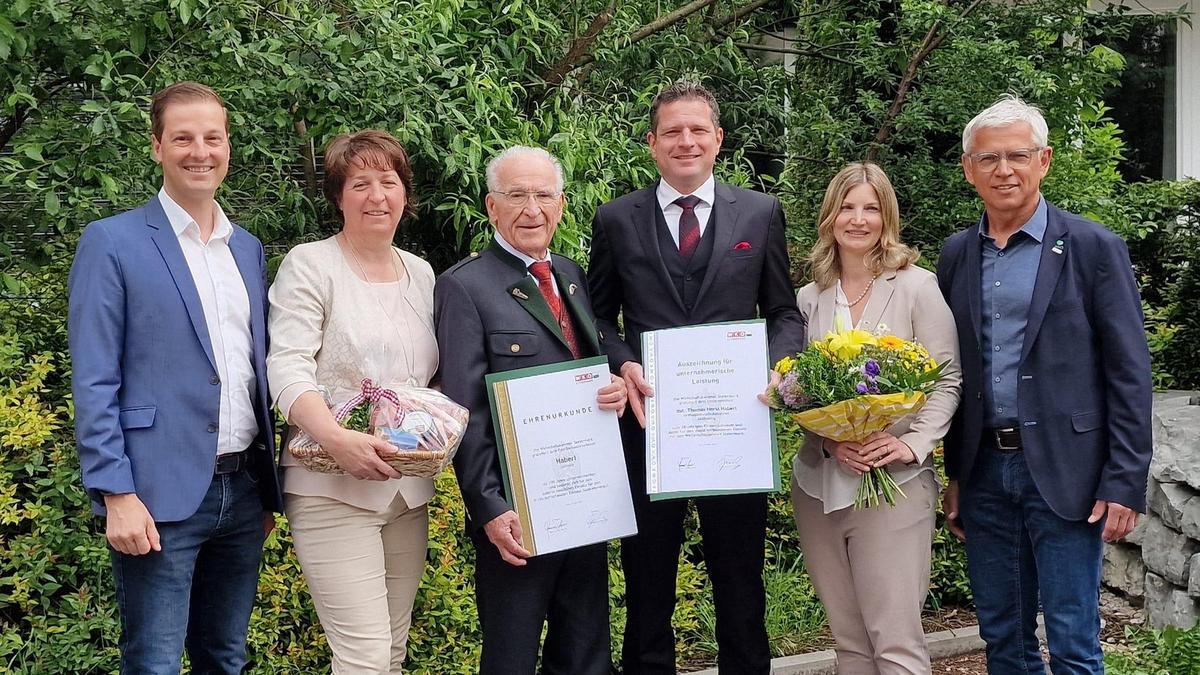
column 1049, row 450
column 175, row 435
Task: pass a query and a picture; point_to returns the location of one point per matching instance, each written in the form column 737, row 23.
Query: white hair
column 1008, row 109
column 493, row 167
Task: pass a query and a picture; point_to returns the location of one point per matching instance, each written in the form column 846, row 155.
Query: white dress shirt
column 529, row 260
column 227, row 316
column 672, row 211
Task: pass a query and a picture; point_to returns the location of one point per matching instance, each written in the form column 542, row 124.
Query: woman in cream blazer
column 870, row 566
column 346, row 308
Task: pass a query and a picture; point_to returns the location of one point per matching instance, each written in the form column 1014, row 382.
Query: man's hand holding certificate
column 706, row 430
column 560, row 450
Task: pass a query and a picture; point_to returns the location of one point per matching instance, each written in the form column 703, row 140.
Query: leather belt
column 231, row 462
column 1007, row 439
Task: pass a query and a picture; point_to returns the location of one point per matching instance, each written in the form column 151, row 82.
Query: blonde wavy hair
column 888, row 254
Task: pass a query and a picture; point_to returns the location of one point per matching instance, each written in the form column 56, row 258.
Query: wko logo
column 585, row 377
column 737, row 334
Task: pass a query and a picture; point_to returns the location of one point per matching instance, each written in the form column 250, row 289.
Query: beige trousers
column 362, row 569
column 871, row 570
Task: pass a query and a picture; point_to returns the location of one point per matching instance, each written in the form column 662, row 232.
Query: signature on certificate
column 554, row 525
column 597, row 516
column 729, row 462
column 687, row 463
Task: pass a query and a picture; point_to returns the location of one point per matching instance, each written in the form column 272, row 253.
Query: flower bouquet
column 424, row 425
column 852, row 384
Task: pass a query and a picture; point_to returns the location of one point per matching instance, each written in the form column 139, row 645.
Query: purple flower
column 874, row 389
column 871, row 368
column 791, row 393
column 861, row 388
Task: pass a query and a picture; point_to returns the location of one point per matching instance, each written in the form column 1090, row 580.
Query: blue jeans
column 1018, row 550
column 198, row 590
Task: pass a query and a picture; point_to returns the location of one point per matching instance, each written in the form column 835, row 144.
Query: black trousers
column 567, row 590
column 733, row 534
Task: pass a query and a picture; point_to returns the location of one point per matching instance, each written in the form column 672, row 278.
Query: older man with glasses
column 1048, row 452
column 516, row 305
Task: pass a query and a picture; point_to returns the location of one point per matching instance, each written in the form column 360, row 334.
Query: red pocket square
column 742, row 246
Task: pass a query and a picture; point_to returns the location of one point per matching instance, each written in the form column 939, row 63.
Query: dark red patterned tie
column 689, row 226
column 541, row 271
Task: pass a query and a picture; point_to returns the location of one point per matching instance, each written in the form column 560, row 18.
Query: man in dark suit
column 1048, row 452
column 172, row 421
column 685, row 251
column 512, row 306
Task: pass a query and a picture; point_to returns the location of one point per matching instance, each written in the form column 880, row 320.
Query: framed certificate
column 561, row 456
column 706, row 431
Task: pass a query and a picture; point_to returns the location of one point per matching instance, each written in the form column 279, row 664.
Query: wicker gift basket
column 424, row 425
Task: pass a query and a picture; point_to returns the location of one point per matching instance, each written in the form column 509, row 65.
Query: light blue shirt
column 1008, row 276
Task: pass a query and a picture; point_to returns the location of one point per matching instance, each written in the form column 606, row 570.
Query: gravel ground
column 1115, row 610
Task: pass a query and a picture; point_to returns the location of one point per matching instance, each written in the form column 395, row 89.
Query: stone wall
column 1160, row 562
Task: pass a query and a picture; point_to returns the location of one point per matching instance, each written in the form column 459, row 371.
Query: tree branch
column 580, row 47
column 13, row 124
column 797, row 52
column 667, row 20
column 308, row 154
column 738, row 14
column 932, row 40
column 659, row 24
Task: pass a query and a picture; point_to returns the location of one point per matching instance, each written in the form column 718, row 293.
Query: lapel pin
column 1057, row 249
column 571, row 289
column 517, row 292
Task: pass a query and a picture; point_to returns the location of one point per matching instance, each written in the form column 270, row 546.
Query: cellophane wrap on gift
column 853, row 420
column 424, row 426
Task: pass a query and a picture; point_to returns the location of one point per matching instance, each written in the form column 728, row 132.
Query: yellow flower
column 846, row 345
column 784, row 366
column 891, row 342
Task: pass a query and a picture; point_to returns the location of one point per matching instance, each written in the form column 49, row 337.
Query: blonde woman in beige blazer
column 870, row 566
column 350, row 307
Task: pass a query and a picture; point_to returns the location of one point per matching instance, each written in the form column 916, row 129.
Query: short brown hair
column 370, row 147
column 683, row 90
column 181, row 92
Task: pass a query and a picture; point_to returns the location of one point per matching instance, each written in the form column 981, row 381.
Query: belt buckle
column 999, row 434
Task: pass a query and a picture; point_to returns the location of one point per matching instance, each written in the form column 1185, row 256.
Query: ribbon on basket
column 370, row 393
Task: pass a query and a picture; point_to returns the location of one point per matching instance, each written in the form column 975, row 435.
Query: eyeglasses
column 520, row 197
column 990, row 161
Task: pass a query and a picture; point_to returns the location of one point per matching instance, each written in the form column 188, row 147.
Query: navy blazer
column 147, row 399
column 1084, row 388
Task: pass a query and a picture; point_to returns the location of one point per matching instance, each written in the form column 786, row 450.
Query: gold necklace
column 861, row 295
column 408, row 357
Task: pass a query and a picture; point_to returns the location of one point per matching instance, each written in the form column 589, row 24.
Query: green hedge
column 57, row 614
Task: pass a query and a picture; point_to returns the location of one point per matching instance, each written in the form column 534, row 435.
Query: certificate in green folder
column 561, row 456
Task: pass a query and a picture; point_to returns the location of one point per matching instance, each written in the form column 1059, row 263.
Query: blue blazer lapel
column 168, row 246
column 645, row 221
column 724, row 221
column 1049, row 269
column 974, row 279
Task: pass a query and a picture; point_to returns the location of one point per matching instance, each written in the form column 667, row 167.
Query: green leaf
column 137, row 39
column 51, row 203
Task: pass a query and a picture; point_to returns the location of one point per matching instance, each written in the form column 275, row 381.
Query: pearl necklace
column 861, row 295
